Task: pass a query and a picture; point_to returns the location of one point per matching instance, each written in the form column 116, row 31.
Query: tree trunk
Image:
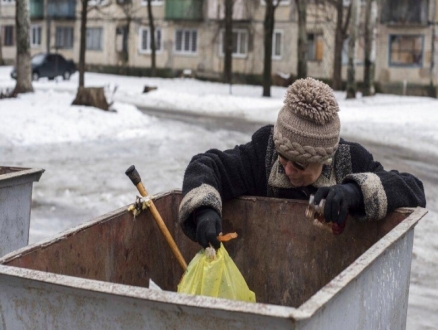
column 370, row 47
column 126, row 37
column 82, row 43
column 2, row 61
column 153, row 44
column 339, row 43
column 432, row 72
column 228, row 42
column 127, row 8
column 24, row 69
column 92, row 97
column 351, row 73
column 126, row 46
column 340, row 36
column 268, row 32
column 48, row 27
column 302, row 39
column 88, row 96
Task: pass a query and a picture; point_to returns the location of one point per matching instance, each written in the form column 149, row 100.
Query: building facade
column 189, row 35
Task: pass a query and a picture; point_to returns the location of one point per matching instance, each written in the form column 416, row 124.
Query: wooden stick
column 133, row 174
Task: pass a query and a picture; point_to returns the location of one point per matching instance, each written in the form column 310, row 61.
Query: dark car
column 50, row 66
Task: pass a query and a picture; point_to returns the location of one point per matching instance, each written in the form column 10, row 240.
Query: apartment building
column 189, row 35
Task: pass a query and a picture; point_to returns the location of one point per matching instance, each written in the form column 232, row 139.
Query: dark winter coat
column 253, row 169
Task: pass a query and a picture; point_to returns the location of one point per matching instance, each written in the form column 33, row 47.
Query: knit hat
column 308, row 126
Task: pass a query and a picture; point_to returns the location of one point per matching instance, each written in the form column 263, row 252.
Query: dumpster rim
column 167, row 297
column 20, row 176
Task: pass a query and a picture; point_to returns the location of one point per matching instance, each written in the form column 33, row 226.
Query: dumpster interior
column 284, row 257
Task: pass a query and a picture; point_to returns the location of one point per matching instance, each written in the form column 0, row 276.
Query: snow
column 85, row 150
column 394, row 120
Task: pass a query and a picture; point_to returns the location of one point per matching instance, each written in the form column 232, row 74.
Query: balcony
column 408, row 12
column 61, row 9
column 36, row 9
column 184, row 10
column 216, row 10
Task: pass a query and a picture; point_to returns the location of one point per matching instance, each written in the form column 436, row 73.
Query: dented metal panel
column 376, row 298
column 15, row 204
column 302, row 274
column 35, row 300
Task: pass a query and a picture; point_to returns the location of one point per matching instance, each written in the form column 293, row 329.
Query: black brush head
column 132, row 173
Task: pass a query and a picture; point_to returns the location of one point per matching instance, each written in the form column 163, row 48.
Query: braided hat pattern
column 308, row 126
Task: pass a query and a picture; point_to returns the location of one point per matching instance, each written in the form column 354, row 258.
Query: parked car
column 49, row 65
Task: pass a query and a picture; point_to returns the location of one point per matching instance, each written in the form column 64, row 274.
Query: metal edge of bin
column 20, row 176
column 301, row 313
column 319, row 299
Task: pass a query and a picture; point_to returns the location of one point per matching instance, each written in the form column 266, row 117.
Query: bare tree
column 228, row 42
column 82, row 42
column 85, row 8
column 2, row 61
column 271, row 6
column 351, row 71
column 23, row 65
column 342, row 23
column 129, row 10
column 370, row 47
column 152, row 39
column 302, row 39
column 88, row 96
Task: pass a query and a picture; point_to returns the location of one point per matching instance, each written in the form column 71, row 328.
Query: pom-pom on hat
column 308, row 126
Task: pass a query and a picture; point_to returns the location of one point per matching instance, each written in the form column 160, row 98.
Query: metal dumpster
column 96, row 276
column 15, row 204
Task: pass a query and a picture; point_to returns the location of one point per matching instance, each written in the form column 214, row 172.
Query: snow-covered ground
column 85, row 151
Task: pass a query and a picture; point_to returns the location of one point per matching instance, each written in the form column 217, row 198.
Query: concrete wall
column 7, row 17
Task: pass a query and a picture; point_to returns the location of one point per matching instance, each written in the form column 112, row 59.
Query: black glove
column 208, row 227
column 338, row 200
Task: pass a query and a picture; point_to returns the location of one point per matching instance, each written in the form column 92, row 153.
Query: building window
column 35, row 35
column 8, row 35
column 186, row 41
column 282, row 2
column 406, row 12
column 145, row 40
column 406, row 50
column 97, row 2
column 240, row 43
column 64, row 37
column 94, row 38
column 153, row 2
column 277, row 44
column 315, row 44
column 8, row 2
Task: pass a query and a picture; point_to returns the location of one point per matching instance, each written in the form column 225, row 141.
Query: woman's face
column 299, row 174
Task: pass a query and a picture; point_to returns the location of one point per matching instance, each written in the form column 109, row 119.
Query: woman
column 302, row 154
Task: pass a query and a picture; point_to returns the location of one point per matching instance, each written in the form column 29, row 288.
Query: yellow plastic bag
column 218, row 277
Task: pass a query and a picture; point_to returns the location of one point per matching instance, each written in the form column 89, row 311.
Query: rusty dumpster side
column 97, row 275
